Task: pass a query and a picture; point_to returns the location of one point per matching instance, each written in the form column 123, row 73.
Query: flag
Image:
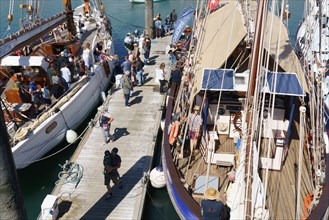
column 179, row 25
column 212, row 4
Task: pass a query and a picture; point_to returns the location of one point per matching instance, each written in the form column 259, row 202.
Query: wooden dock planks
column 135, row 129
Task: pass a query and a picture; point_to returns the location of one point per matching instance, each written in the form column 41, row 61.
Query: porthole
column 51, row 127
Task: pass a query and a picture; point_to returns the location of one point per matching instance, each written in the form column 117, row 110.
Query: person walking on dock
column 146, row 46
column 161, row 76
column 139, row 70
column 126, row 88
column 105, row 120
column 112, row 162
column 173, row 17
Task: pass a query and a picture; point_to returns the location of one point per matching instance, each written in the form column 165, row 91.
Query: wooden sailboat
column 32, row 136
column 249, row 84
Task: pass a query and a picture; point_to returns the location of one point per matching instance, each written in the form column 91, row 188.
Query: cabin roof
column 36, row 61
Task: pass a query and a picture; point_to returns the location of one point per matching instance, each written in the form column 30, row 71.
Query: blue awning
column 286, row 84
column 218, row 79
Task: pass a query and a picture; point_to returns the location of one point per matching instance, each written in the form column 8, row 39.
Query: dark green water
column 38, row 179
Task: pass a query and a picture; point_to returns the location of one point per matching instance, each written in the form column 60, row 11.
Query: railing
column 183, row 202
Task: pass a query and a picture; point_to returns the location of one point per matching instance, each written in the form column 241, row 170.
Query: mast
column 70, row 22
column 257, row 46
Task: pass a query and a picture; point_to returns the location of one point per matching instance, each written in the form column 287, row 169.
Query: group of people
column 163, row 28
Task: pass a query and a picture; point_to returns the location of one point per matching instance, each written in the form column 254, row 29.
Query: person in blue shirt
column 35, row 94
column 210, row 207
column 167, row 25
column 126, row 65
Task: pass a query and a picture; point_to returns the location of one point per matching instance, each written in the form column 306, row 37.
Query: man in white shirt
column 66, row 74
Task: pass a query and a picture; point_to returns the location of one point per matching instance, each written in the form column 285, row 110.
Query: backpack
column 107, row 160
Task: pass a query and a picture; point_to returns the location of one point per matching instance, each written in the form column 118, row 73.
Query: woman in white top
column 86, row 56
column 160, row 75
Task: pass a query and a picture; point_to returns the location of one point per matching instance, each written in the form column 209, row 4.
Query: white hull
column 74, row 112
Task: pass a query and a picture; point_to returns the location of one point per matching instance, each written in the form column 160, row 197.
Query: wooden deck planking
column 284, row 184
column 135, row 130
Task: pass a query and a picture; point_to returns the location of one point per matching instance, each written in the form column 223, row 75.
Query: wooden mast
column 70, row 22
column 257, row 46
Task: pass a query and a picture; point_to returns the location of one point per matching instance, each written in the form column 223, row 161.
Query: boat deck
column 135, row 130
column 282, row 185
column 198, row 167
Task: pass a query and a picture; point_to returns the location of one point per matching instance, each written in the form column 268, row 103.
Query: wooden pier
column 135, row 130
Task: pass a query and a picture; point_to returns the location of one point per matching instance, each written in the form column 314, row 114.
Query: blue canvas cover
column 286, row 84
column 219, row 79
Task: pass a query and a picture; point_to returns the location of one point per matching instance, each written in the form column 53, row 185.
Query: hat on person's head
column 115, row 150
column 197, row 107
column 211, row 194
column 62, row 53
column 101, row 108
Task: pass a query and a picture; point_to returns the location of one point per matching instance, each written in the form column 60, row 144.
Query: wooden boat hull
column 185, row 205
column 49, row 129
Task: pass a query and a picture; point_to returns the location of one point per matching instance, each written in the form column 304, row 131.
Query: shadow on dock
column 102, row 208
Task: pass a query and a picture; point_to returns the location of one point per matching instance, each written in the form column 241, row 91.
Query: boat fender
column 162, row 124
column 157, row 177
column 71, row 136
column 174, row 132
column 103, row 96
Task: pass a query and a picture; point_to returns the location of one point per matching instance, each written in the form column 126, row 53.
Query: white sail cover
column 25, row 61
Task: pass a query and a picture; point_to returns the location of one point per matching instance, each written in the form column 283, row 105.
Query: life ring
column 174, row 132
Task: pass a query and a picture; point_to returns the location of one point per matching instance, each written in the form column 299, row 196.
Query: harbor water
column 38, row 179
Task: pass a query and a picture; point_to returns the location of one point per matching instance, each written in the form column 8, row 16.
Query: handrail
column 191, row 206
